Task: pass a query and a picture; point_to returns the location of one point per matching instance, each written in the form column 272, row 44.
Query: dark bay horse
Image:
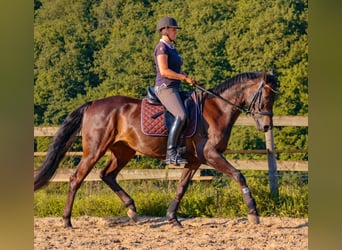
column 113, row 124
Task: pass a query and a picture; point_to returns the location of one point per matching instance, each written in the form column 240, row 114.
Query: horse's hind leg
column 86, row 164
column 121, row 155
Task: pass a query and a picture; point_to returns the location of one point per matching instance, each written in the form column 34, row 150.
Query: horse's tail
column 60, row 144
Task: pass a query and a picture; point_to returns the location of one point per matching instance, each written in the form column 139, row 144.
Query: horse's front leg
column 187, row 174
column 217, row 161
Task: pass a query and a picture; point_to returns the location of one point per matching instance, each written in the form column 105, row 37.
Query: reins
column 256, row 97
column 220, row 97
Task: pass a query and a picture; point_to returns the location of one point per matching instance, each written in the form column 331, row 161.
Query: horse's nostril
column 266, row 128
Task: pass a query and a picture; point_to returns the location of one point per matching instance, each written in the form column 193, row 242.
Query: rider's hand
column 190, row 80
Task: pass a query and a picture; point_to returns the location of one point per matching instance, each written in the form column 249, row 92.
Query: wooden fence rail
column 243, row 120
column 174, row 173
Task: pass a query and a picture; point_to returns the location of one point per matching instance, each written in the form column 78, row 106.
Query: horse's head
column 254, row 90
column 260, row 98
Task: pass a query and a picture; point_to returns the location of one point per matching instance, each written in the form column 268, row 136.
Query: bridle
column 255, row 101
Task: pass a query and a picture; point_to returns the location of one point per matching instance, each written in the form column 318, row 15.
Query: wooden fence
column 173, row 173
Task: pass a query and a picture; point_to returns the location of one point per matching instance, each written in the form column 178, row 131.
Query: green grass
column 217, row 198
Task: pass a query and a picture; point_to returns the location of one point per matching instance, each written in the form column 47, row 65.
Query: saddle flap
column 155, row 120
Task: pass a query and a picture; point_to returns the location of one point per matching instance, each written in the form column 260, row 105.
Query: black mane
column 242, row 77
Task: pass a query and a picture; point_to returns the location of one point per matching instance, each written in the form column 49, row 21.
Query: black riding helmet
column 167, row 22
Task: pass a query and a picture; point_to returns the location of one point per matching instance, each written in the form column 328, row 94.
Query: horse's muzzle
column 267, row 127
column 262, row 126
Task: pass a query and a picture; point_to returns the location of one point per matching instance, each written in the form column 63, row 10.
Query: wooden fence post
column 272, row 163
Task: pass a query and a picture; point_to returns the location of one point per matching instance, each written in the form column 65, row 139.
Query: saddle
column 156, row 120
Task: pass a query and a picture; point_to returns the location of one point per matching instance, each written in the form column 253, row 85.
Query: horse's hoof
column 67, row 225
column 132, row 215
column 175, row 223
column 253, row 219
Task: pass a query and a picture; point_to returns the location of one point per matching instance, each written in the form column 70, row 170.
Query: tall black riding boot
column 171, row 154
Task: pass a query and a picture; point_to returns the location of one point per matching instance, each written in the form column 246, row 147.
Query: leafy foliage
column 91, row 49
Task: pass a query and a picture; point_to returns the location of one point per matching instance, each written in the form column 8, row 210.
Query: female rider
column 168, row 78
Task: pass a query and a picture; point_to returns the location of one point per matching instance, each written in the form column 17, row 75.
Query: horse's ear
column 263, row 74
column 271, row 72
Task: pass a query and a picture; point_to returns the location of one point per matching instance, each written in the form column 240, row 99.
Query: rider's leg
column 172, row 101
column 171, row 154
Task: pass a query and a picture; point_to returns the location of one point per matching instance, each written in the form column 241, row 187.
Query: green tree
column 125, row 64
column 86, row 50
column 273, row 34
column 62, row 58
column 206, row 34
